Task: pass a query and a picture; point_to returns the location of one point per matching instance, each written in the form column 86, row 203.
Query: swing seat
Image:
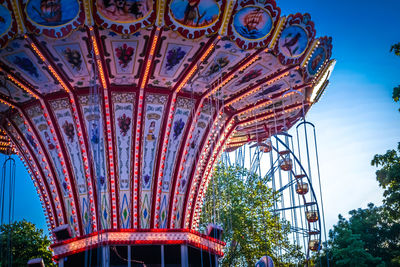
column 286, row 164
column 312, row 216
column 302, row 188
column 313, row 245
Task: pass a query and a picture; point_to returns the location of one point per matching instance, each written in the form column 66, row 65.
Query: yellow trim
column 150, row 59
column 88, row 12
column 23, row 87
column 277, row 32
column 320, row 81
column 160, row 13
column 227, row 16
column 310, row 52
column 16, row 9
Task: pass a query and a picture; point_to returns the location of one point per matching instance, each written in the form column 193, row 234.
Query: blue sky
column 355, row 118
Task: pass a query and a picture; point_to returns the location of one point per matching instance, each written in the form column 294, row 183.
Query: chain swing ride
column 120, row 110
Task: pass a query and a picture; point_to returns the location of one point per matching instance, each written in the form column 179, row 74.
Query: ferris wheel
column 290, row 165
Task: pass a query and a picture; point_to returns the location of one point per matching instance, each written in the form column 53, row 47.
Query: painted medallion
column 124, row 10
column 316, row 60
column 293, row 41
column 195, row 13
column 5, row 20
column 52, row 13
column 252, row 22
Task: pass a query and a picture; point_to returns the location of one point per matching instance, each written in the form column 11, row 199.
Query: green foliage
column 370, row 237
column 27, row 242
column 396, row 94
column 347, row 247
column 242, row 203
column 388, row 177
column 396, row 49
column 396, row 91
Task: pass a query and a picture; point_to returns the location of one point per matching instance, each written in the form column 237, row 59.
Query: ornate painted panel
column 66, row 126
column 124, row 55
column 173, row 57
column 223, row 59
column 34, row 144
column 37, row 117
column 191, row 160
column 14, row 93
column 72, row 57
column 179, row 126
column 295, row 38
column 267, row 91
column 93, row 121
column 124, row 117
column 26, row 64
column 153, row 118
column 250, row 76
column 319, row 57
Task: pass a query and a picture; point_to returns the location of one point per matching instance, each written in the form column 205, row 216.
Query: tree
column 396, row 49
column 362, row 240
column 388, row 177
column 27, row 242
column 396, row 91
column 242, row 202
column 347, row 247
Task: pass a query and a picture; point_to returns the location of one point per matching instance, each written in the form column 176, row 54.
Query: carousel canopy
column 120, row 109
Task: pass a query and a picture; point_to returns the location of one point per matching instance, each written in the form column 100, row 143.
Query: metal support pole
column 162, row 256
column 184, row 256
column 106, row 256
column 216, row 260
column 61, row 263
column 129, row 256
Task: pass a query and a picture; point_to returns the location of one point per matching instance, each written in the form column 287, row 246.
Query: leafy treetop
column 25, row 242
